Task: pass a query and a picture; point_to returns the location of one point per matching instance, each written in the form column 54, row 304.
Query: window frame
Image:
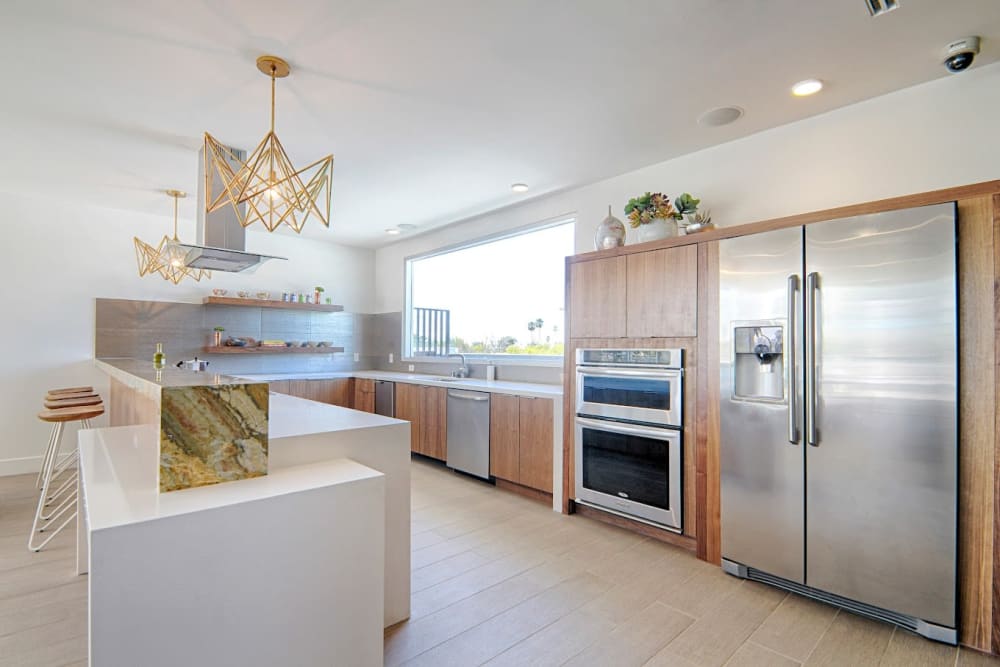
column 495, row 359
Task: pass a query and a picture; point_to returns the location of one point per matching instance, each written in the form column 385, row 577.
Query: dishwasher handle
column 468, row 395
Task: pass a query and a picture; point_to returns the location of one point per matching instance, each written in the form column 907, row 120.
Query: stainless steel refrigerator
column 839, row 385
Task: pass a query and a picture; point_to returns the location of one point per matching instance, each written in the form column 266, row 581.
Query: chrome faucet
column 463, row 370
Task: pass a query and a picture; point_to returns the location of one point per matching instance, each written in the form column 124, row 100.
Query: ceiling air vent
column 877, row 7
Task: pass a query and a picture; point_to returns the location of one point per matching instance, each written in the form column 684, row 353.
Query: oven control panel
column 661, row 358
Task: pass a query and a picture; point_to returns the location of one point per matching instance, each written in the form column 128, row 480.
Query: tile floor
column 501, row 580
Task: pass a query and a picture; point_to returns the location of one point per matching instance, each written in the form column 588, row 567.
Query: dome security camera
column 960, row 53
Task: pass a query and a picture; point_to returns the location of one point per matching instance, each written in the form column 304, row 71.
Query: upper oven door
column 648, row 395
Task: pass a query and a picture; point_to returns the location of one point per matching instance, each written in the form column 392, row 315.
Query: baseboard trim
column 683, row 541
column 526, row 491
column 20, row 466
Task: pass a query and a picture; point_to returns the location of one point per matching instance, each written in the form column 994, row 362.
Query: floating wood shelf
column 234, row 349
column 263, row 303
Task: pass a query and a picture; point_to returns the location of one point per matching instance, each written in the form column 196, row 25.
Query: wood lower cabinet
column 280, row 387
column 339, row 391
column 426, row 408
column 364, row 395
column 504, row 439
column 521, row 440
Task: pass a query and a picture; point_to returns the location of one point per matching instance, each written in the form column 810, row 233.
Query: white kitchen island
column 281, row 569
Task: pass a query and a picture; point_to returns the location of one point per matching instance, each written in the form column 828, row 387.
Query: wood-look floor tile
column 852, row 640
column 487, row 640
column 755, row 655
column 55, row 651
column 795, row 627
column 645, row 587
column 701, row 592
column 637, row 640
column 716, row 636
column 969, row 658
column 909, row 650
column 556, row 643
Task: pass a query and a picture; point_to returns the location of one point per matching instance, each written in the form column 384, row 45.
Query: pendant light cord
column 175, row 217
column 274, row 70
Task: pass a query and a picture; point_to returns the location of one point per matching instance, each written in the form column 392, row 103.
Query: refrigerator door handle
column 792, row 343
column 812, row 285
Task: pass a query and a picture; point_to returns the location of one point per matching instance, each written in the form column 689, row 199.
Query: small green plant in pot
column 319, row 291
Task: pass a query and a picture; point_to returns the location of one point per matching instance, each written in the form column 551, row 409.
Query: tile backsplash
column 126, row 328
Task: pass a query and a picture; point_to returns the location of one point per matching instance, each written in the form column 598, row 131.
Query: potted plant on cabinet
column 319, row 291
column 217, row 337
column 654, row 217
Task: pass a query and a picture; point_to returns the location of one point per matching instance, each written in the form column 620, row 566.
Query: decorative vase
column 656, row 229
column 217, row 338
column 610, row 233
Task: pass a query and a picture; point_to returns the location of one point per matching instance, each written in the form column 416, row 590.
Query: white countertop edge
column 124, row 492
column 537, row 390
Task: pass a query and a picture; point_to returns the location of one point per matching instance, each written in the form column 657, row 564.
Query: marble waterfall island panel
column 212, row 434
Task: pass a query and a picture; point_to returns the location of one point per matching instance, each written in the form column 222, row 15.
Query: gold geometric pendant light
column 168, row 257
column 273, row 190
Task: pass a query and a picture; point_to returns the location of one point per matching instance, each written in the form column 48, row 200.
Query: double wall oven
column 628, row 433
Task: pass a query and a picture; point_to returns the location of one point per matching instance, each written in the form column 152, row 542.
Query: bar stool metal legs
column 57, row 501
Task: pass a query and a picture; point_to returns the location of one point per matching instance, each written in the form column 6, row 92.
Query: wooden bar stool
column 72, row 390
column 64, row 499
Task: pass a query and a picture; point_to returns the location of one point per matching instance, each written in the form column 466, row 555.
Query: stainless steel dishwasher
column 469, row 432
column 385, row 398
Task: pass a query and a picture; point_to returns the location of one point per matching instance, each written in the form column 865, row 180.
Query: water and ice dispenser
column 759, row 362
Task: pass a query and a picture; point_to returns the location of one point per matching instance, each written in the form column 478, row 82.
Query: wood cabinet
column 597, row 298
column 426, row 410
column 280, row 387
column 521, row 440
column 339, row 391
column 650, row 294
column 662, row 293
column 364, row 394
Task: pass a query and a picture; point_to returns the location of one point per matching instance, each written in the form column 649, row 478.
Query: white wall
column 940, row 134
column 59, row 257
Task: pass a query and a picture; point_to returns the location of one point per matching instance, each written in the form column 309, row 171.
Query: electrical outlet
column 391, row 357
column 411, row 368
column 357, row 356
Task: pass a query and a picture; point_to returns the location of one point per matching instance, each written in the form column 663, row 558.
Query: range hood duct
column 221, row 238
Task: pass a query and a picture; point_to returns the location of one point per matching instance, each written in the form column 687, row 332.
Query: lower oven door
column 630, row 469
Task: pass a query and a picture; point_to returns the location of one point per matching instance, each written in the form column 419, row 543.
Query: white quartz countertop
column 118, row 467
column 292, row 416
column 474, row 384
column 136, row 373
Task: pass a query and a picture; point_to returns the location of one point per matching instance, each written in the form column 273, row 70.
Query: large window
column 501, row 297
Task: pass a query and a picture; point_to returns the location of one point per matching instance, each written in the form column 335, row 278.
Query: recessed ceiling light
column 807, row 87
column 720, row 116
column 519, row 187
column 392, row 230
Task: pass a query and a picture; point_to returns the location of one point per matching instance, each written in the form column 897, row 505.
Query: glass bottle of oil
column 159, row 359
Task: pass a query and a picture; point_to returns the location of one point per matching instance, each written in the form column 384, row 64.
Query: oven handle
column 628, row 429
column 629, row 372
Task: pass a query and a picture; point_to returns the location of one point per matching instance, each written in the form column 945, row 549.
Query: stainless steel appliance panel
column 648, row 395
column 385, row 398
column 469, row 432
column 881, row 480
column 632, row 469
column 762, row 472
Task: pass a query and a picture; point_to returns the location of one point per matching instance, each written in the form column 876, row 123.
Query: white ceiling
column 432, row 108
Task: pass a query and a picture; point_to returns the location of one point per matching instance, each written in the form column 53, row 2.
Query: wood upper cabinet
column 426, row 410
column 662, row 293
column 504, row 437
column 597, row 298
column 364, row 394
column 521, row 440
column 535, row 429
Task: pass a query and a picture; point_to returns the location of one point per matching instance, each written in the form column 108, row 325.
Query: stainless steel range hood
column 221, row 238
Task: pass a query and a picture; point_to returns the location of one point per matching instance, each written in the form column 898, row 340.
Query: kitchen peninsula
column 304, row 439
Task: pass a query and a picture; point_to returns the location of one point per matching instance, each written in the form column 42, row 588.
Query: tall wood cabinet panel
column 662, row 293
column 434, row 423
column 535, row 429
column 504, row 440
column 364, row 394
column 408, row 409
column 597, row 298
